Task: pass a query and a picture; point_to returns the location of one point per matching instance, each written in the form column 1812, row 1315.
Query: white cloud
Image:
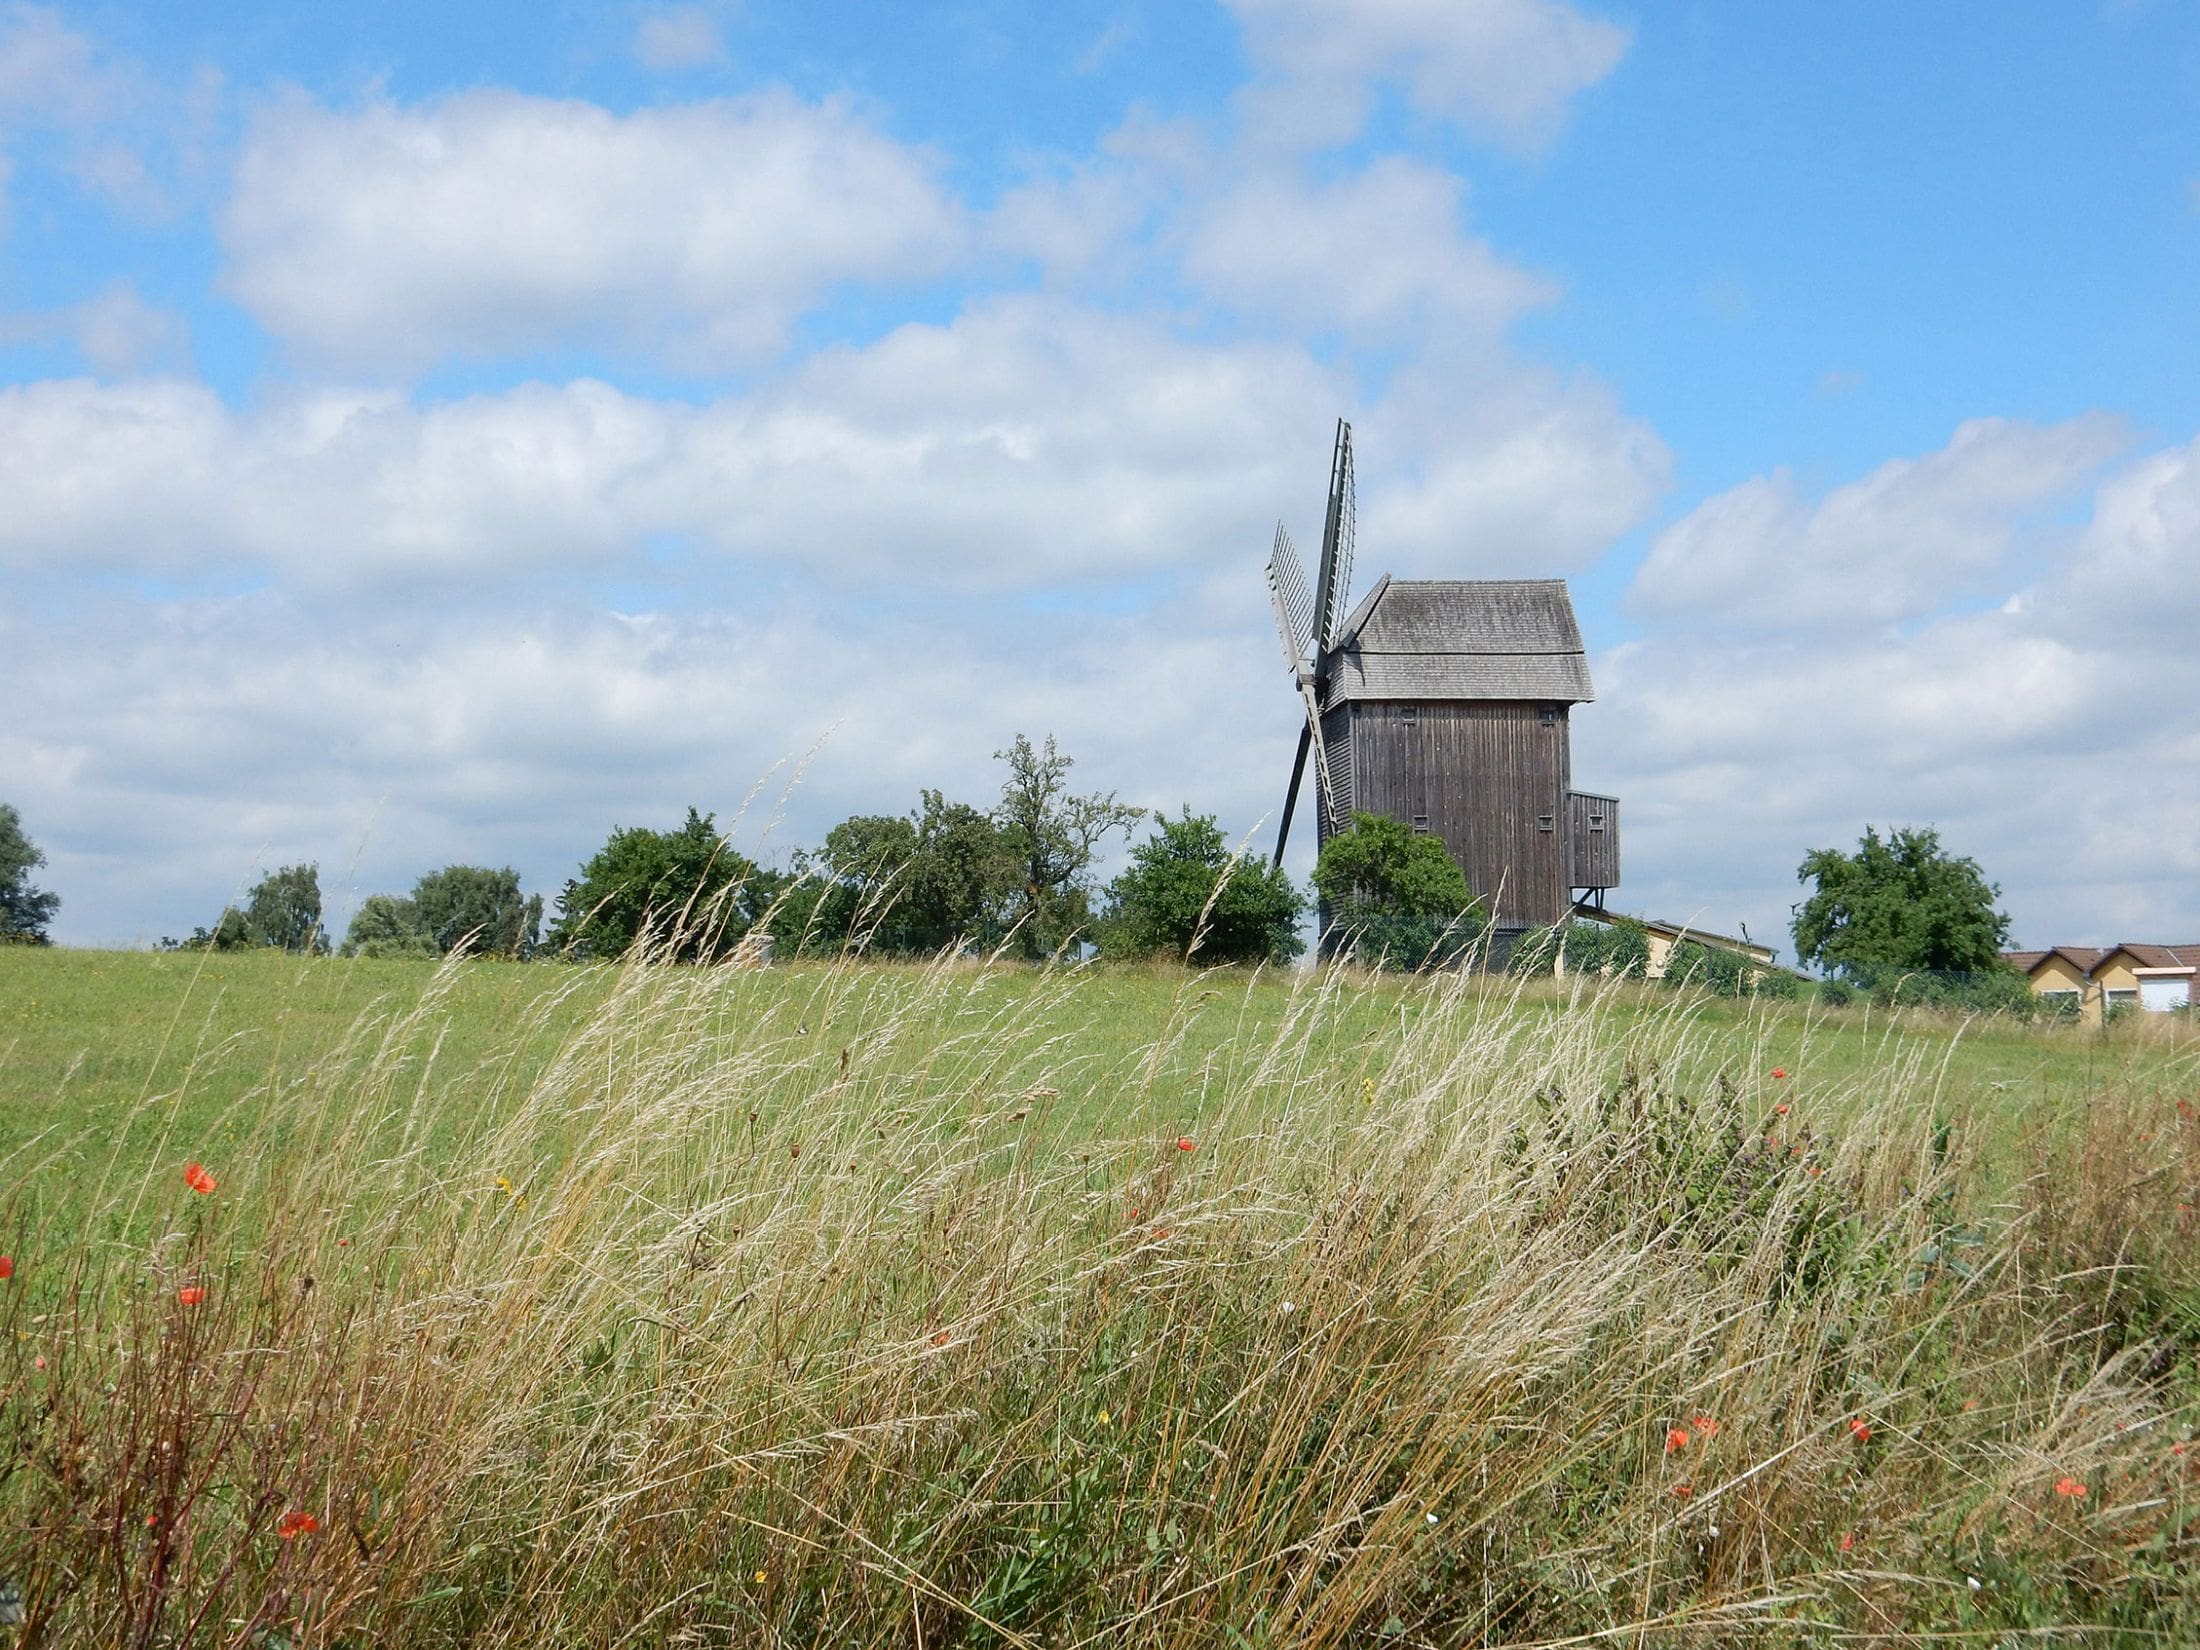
column 163, row 757
column 1029, row 444
column 124, row 135
column 1506, row 475
column 115, row 330
column 2135, row 580
column 2044, row 737
column 388, row 236
column 678, row 37
column 1507, row 68
column 1377, row 254
column 50, row 74
column 1893, row 546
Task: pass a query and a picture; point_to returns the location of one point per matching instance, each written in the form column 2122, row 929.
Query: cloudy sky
column 437, row 433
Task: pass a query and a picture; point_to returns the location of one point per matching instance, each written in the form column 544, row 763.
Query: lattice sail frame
column 1308, row 625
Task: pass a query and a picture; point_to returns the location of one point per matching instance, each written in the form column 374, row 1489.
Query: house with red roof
column 2090, row 980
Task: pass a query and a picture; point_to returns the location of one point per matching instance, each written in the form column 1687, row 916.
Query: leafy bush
column 385, row 926
column 482, row 909
column 1586, row 946
column 1535, row 953
column 283, row 913
column 1627, row 949
column 1394, row 897
column 1184, row 894
column 1777, row 985
column 687, row 891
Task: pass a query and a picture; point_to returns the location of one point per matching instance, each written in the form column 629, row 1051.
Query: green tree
column 229, row 933
column 24, row 910
column 1053, row 837
column 687, row 890
column 1185, row 894
column 480, row 908
column 284, row 910
column 1898, row 903
column 944, row 875
column 1394, row 897
column 387, row 925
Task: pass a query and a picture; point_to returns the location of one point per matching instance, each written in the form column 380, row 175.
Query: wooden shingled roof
column 1461, row 639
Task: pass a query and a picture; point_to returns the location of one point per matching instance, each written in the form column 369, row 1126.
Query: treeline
column 1014, row 878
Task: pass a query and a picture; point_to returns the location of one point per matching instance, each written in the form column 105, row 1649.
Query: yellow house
column 2133, row 975
column 1665, row 935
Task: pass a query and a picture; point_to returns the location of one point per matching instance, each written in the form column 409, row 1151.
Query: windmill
column 1309, row 624
column 1446, row 704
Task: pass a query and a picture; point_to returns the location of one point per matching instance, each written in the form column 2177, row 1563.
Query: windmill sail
column 1333, row 580
column 1294, row 607
column 1308, row 626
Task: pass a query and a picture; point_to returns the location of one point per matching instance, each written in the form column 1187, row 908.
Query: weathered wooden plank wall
column 1593, row 829
column 1491, row 778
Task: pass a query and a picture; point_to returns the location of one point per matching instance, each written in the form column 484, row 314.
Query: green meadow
column 853, row 1303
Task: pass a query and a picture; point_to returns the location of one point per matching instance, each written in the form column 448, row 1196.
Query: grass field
column 866, row 1304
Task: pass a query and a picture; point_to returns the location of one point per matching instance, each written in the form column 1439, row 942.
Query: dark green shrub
column 1587, row 947
column 1394, row 897
column 1185, row 894
column 1777, row 985
column 1627, row 949
column 1534, row 953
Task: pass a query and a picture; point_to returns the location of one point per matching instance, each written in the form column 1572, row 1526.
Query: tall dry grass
column 811, row 1318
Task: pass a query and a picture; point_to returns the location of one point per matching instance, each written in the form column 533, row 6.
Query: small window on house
column 1596, row 822
column 1420, row 823
column 1543, row 822
column 1408, row 715
column 1549, row 716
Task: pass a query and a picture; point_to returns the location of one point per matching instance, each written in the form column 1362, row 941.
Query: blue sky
column 433, row 434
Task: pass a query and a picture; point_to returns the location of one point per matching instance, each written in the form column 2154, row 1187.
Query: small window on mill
column 1420, row 823
column 1549, row 716
column 1409, row 716
column 1542, row 822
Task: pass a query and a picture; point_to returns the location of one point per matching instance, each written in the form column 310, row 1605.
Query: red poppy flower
column 1675, row 1438
column 1705, row 1425
column 1779, row 1071
column 1848, row 1540
column 296, row 1523
column 1859, row 1429
column 2069, row 1488
column 190, row 1294
column 1183, row 1142
column 7, row 1267
column 1781, row 1108
column 1684, row 1491
column 1816, row 1170
column 940, row 1337
column 196, row 1177
column 1162, row 1234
